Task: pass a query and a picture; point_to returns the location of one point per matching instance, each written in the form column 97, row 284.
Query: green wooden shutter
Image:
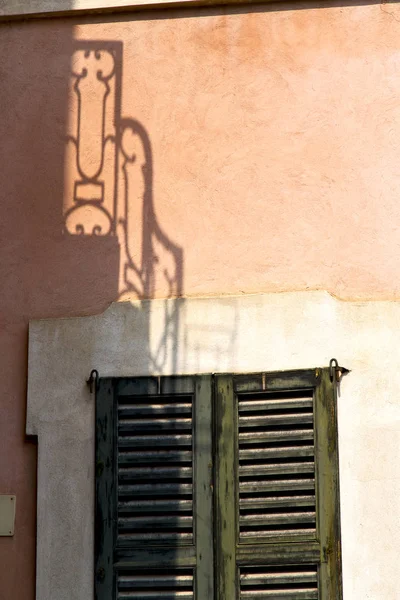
column 153, row 522
column 277, row 509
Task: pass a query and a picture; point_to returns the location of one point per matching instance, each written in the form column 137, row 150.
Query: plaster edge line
column 184, row 299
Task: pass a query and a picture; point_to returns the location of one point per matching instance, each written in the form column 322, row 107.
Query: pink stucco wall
column 270, row 141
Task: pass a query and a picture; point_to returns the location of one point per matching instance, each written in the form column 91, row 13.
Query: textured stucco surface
column 274, row 147
column 275, row 143
column 236, row 334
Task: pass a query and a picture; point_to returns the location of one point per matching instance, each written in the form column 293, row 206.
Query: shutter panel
column 153, row 489
column 277, row 514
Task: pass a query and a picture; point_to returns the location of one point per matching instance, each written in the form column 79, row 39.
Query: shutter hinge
column 93, row 381
column 335, row 371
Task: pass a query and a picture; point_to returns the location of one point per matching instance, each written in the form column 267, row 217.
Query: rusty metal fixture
column 335, row 371
column 93, row 380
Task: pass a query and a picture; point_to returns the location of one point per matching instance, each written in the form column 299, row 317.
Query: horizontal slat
column 257, row 437
column 176, row 595
column 271, row 453
column 151, row 441
column 163, row 506
column 155, row 581
column 278, row 485
column 274, row 578
column 157, row 537
column 279, row 553
column 275, row 404
column 132, row 425
column 155, row 489
column 255, row 537
column 164, row 522
column 281, row 583
column 126, row 457
column 154, row 557
column 289, row 518
column 135, row 410
column 156, row 473
column 273, row 420
column 272, row 502
column 301, row 594
column 276, row 469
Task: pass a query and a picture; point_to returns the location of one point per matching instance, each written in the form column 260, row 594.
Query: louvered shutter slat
column 154, row 472
column 155, row 489
column 275, row 468
column 283, row 584
column 133, row 410
column 166, row 456
column 156, row 581
column 276, row 419
column 280, row 452
column 152, row 585
column 277, row 501
column 154, row 506
column 155, row 585
column 278, row 518
column 151, row 441
column 154, row 595
column 133, row 425
column 270, row 404
column 283, row 435
column 249, row 487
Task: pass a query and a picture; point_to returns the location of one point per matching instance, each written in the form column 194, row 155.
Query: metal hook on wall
column 335, row 371
column 93, row 380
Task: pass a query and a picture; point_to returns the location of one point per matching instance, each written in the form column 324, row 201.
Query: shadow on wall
column 108, row 200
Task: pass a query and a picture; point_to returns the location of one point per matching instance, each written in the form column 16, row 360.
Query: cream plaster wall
column 240, row 334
